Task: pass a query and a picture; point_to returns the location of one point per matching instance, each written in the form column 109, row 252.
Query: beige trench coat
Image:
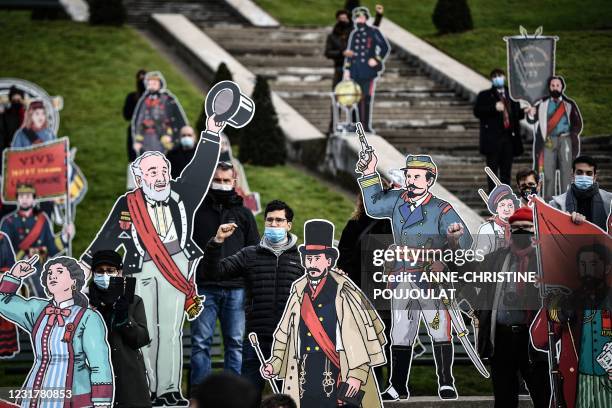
column 362, row 337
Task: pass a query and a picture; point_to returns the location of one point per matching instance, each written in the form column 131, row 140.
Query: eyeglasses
column 112, row 271
column 271, row 220
column 187, row 135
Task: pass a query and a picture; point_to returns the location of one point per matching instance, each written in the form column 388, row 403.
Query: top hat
column 501, row 192
column 229, row 104
column 318, row 238
column 420, row 161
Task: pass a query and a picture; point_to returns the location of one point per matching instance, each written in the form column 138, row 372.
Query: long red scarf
column 34, row 233
column 160, row 255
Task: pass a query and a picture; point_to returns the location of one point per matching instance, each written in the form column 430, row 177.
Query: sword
column 255, row 344
column 462, row 333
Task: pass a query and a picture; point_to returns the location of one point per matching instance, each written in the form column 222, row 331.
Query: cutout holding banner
column 574, row 325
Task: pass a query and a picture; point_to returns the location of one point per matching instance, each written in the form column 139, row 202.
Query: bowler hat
column 318, row 238
column 229, row 104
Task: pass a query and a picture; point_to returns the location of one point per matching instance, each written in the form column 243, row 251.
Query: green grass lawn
column 584, row 29
column 93, row 68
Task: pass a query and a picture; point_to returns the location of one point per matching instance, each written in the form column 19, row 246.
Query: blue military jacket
column 366, row 42
column 424, row 227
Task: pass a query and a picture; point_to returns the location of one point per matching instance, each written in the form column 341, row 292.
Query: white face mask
column 221, row 187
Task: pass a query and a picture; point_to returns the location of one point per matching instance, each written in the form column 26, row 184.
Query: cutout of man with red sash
column 153, row 224
column 329, row 337
column 557, row 136
column 31, row 233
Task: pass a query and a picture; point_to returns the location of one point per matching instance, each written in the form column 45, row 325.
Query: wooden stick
column 492, row 176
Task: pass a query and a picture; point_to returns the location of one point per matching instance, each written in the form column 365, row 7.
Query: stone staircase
column 208, row 12
column 412, row 111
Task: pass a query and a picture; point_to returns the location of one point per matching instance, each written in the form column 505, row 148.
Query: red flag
column 43, row 166
column 559, row 241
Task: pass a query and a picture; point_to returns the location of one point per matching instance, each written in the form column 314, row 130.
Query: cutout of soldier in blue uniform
column 368, row 49
column 419, row 220
column 31, row 233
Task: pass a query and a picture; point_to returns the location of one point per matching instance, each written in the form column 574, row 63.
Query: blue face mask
column 275, row 234
column 498, row 82
column 102, row 280
column 583, row 182
column 187, row 142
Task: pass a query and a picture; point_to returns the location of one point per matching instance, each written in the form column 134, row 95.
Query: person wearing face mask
column 335, row 45
column 183, row 152
column 504, row 313
column 527, row 184
column 269, row 268
column 582, row 324
column 127, row 331
column 584, row 200
column 556, row 142
column 224, row 298
column 500, row 136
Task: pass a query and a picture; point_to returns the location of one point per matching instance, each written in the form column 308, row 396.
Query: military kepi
column 229, row 104
column 420, row 161
column 318, row 238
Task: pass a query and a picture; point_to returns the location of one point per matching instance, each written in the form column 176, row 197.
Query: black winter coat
column 125, row 340
column 481, row 297
column 492, row 122
column 268, row 281
column 207, row 219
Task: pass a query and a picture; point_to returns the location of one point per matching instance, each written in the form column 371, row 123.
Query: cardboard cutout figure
column 31, row 234
column 9, row 337
column 556, row 141
column 153, row 224
column 15, row 96
column 419, row 220
column 557, row 119
column 574, row 324
column 368, row 49
column 71, row 354
column 329, row 337
column 158, row 117
column 501, row 203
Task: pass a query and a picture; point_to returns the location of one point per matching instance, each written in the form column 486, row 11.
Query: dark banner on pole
column 531, row 61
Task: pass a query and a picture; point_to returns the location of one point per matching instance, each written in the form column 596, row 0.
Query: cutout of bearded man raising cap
column 339, row 335
column 153, row 223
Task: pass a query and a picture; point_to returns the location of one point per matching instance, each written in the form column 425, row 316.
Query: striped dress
column 71, row 356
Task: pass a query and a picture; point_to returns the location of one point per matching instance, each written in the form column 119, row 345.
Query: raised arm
column 193, row 182
column 14, row 307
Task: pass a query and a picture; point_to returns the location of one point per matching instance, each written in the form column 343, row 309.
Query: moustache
column 313, row 270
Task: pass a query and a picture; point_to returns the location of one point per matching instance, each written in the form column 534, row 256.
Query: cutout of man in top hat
column 158, row 117
column 153, row 223
column 366, row 52
column 329, row 338
column 419, row 220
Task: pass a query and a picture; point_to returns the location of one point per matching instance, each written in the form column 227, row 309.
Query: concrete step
column 461, row 402
column 205, row 12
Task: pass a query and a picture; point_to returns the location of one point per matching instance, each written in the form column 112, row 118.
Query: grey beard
column 154, row 195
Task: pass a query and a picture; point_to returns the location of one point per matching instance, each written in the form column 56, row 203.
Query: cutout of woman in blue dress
column 71, row 355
